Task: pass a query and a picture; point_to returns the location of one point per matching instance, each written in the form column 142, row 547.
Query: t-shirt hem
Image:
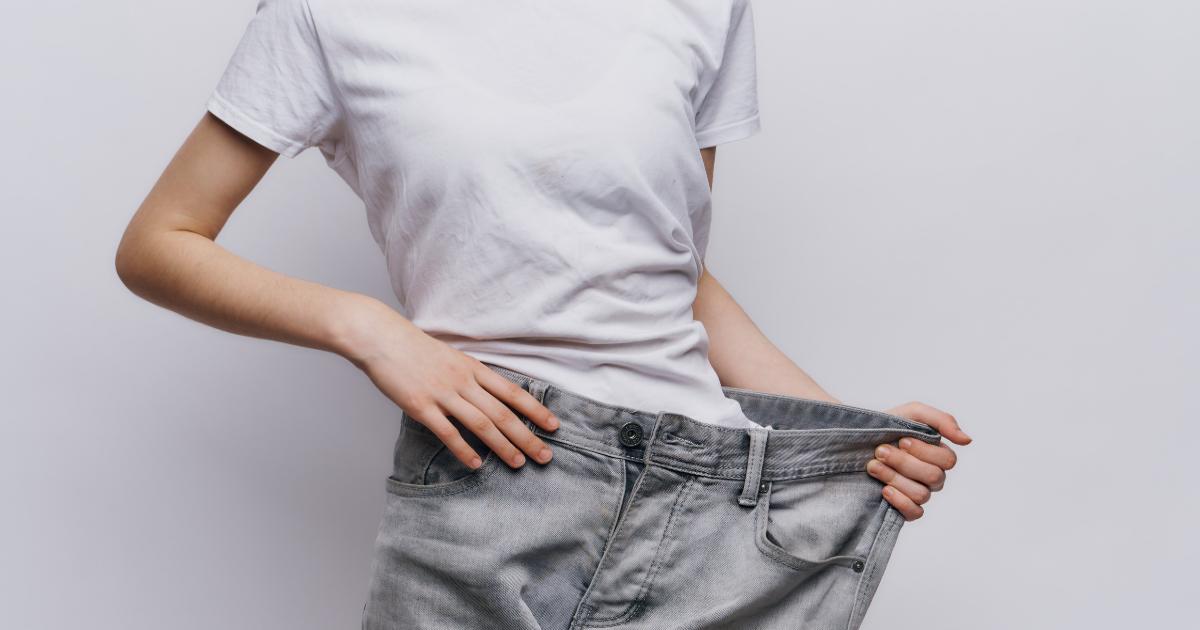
column 252, row 128
column 721, row 134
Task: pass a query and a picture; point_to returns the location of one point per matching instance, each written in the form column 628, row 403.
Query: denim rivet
column 631, row 434
column 858, row 566
column 762, row 487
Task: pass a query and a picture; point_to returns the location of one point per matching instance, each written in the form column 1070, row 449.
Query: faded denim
column 642, row 519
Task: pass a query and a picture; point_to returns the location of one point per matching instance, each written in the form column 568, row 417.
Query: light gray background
column 987, row 206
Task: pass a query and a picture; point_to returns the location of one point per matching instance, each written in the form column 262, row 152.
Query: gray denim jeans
column 642, row 520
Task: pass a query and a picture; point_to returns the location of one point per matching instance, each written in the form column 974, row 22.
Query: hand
column 917, row 469
column 429, row 380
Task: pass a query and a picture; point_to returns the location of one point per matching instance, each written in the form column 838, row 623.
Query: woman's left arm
column 742, row 356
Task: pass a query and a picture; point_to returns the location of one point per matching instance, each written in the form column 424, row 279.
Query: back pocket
column 820, row 522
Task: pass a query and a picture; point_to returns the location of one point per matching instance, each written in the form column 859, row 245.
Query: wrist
column 356, row 325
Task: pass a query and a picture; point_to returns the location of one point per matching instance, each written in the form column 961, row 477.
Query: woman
column 537, row 174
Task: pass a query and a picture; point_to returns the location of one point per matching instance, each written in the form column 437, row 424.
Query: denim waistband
column 807, row 437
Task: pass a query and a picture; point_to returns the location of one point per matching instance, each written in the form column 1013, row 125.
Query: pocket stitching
column 462, row 484
column 781, row 555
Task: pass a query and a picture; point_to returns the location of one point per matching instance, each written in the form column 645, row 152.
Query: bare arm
column 739, row 352
column 168, row 255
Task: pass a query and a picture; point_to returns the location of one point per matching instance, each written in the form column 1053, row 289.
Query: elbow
column 125, row 266
column 129, row 263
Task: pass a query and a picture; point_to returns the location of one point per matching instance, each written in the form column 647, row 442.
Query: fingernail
column 905, row 442
column 553, row 422
column 882, row 452
column 889, row 491
column 476, row 462
column 519, row 460
column 544, row 455
column 873, row 466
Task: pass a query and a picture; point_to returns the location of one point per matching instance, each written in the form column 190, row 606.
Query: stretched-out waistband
column 807, row 437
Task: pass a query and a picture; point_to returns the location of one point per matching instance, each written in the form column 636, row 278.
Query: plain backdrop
column 987, row 206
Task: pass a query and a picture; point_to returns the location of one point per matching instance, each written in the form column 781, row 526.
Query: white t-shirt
column 530, row 168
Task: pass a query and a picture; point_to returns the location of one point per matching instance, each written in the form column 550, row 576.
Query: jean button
column 858, row 566
column 631, row 434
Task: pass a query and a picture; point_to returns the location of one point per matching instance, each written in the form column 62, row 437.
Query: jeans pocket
column 813, row 523
column 424, row 466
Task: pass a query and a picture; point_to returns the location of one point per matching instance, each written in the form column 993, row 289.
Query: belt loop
column 754, row 466
column 537, row 389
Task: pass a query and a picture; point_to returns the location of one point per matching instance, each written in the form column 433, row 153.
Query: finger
column 478, row 423
column 444, row 430
column 911, row 467
column 945, row 423
column 938, row 454
column 513, row 427
column 910, row 510
column 515, row 397
column 917, row 492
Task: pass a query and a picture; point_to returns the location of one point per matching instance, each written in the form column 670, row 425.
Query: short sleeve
column 728, row 110
column 276, row 89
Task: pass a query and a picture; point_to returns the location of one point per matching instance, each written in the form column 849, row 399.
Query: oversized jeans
column 642, row 520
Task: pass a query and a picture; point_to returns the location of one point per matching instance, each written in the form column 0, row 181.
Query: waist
column 807, row 437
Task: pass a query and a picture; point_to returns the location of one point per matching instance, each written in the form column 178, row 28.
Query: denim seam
column 457, row 486
column 639, row 599
column 865, row 579
column 671, row 438
column 918, row 426
column 613, row 533
column 783, row 556
column 729, row 473
column 785, row 434
column 623, row 457
column 732, row 471
column 776, row 474
column 584, row 609
column 588, row 446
